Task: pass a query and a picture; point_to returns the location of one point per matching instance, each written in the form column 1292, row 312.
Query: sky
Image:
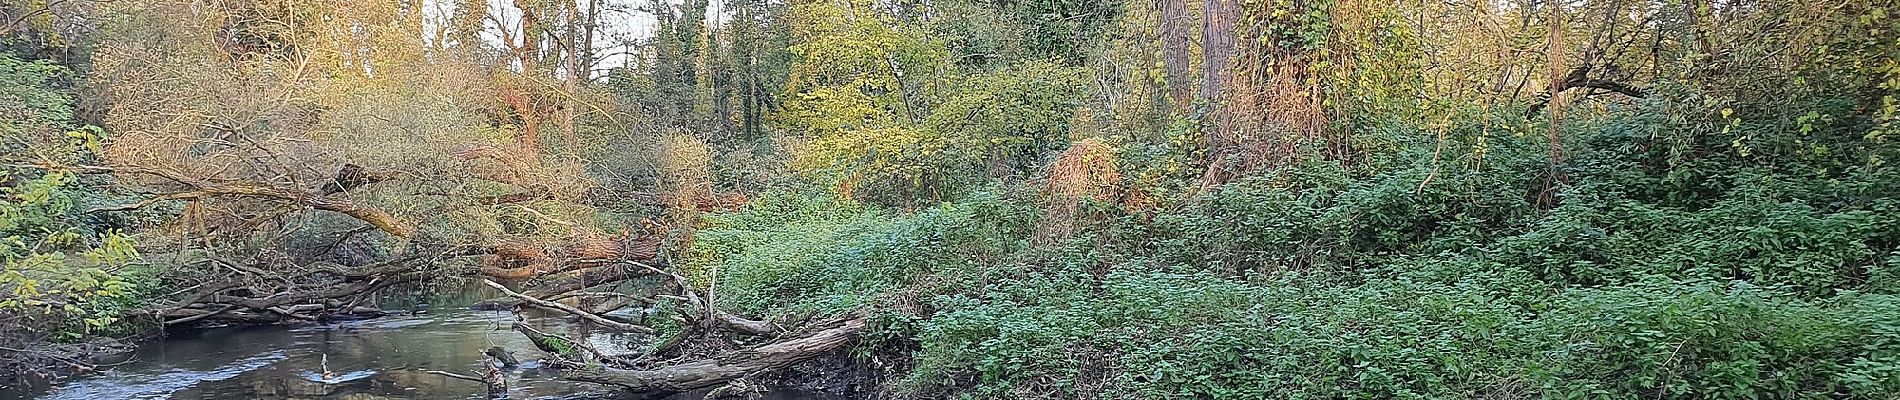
column 622, row 21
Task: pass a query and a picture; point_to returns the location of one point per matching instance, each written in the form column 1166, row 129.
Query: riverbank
column 379, row 358
column 26, row 365
column 390, row 357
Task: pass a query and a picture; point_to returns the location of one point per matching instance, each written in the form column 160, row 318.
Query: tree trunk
column 656, row 383
column 528, row 54
column 531, row 33
column 588, row 57
column 1174, row 50
column 1554, row 52
column 1217, row 45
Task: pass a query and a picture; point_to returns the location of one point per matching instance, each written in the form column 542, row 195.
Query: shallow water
column 381, row 358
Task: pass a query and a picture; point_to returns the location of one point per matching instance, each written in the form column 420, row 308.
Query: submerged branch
column 457, row 376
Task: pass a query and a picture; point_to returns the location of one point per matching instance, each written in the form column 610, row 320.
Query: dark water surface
column 381, row 358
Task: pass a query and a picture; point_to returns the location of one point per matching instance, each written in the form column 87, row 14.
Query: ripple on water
column 111, row 385
column 335, row 378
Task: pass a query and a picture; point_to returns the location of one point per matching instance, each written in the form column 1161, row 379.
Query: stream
column 381, row 358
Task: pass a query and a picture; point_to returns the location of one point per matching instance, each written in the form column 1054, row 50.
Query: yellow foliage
column 865, row 153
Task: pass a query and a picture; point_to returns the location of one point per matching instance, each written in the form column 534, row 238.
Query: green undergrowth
column 1474, row 273
column 790, row 252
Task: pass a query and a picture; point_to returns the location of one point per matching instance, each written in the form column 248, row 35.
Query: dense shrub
column 64, row 273
column 790, row 251
column 1317, row 281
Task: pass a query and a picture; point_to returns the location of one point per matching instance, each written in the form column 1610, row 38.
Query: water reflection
column 120, row 385
column 382, row 358
column 358, row 360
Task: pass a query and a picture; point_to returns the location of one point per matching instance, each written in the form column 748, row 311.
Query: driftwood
column 583, row 314
column 570, row 352
column 493, row 379
column 500, row 354
column 555, row 285
column 308, row 293
column 741, row 325
column 470, row 378
column 557, row 345
column 669, row 380
column 698, row 317
column 713, row 317
column 235, row 314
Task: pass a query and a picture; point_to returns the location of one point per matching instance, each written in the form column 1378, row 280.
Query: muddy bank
column 37, row 363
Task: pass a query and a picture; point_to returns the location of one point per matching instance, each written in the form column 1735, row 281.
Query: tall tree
column 1174, row 50
column 465, row 25
column 1217, row 45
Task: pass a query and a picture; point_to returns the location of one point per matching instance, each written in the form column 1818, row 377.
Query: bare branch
column 590, row 317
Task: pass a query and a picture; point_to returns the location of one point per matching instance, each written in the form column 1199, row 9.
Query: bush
column 1654, row 263
column 61, row 277
column 64, row 273
column 816, row 253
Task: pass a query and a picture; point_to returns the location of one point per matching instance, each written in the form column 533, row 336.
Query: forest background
column 1021, row 198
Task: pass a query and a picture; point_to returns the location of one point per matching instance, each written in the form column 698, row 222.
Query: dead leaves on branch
column 1085, row 172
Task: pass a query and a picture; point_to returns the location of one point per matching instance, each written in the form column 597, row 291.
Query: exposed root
column 41, row 361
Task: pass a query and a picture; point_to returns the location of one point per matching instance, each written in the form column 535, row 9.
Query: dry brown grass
column 1275, row 103
column 1275, row 106
column 1084, row 172
column 685, row 171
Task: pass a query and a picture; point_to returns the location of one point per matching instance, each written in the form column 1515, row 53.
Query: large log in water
column 583, row 314
column 666, row 381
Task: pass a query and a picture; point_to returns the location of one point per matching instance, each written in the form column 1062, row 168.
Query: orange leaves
column 1086, row 171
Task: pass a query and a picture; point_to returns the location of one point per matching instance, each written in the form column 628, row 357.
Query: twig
column 457, row 376
column 1663, row 387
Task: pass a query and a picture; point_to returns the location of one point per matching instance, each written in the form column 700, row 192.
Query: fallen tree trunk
column 250, row 295
column 737, row 324
column 233, row 314
column 322, row 198
column 590, row 317
column 553, row 286
column 521, row 259
column 666, row 381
